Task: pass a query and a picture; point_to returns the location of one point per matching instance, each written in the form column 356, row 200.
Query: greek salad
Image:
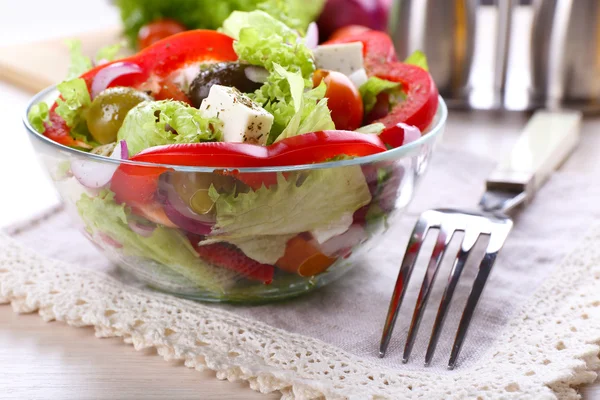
column 254, row 93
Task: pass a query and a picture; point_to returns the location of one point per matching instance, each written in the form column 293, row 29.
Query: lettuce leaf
column 263, row 40
column 38, row 114
column 103, row 216
column 265, row 249
column 79, row 63
column 372, row 88
column 299, row 203
column 72, row 105
column 310, row 107
column 417, row 58
column 155, row 123
column 210, row 14
column 374, row 129
column 109, row 53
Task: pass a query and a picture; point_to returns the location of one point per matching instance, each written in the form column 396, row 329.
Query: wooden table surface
column 53, row 361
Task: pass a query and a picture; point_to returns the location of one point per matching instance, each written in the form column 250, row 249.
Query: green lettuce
column 372, row 88
column 299, row 202
column 103, row 216
column 310, row 108
column 419, row 59
column 109, row 53
column 265, row 249
column 375, row 128
column 79, row 63
column 38, row 115
column 264, row 41
column 72, row 105
column 155, row 123
column 210, row 14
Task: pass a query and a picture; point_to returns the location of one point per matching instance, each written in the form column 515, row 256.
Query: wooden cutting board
column 35, row 66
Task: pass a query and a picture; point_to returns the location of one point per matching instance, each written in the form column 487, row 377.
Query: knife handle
column 545, row 143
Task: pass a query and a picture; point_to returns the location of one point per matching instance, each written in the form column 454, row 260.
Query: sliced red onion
column 256, row 74
column 109, row 241
column 95, row 174
column 141, row 229
column 105, row 76
column 344, row 242
column 179, row 213
column 411, row 133
column 312, row 36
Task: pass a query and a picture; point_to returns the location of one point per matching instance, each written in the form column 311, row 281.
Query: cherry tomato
column 157, row 30
column 343, row 99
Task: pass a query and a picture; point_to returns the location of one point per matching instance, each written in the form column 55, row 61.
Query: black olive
column 225, row 74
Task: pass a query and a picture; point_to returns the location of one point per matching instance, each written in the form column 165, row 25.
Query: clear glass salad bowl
column 209, row 234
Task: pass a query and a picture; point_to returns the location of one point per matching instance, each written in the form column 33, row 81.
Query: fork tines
column 448, row 222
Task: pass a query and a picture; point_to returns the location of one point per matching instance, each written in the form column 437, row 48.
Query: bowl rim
column 399, row 152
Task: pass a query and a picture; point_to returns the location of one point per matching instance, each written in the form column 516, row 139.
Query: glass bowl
column 205, row 234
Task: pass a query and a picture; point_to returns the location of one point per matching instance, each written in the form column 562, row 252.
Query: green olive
column 105, row 115
column 193, row 188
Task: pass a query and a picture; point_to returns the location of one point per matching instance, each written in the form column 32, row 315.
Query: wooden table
column 41, row 360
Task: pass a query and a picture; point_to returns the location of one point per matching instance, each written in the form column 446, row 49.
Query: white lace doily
column 549, row 347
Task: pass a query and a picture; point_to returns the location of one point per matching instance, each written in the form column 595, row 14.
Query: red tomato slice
column 378, row 47
column 57, row 130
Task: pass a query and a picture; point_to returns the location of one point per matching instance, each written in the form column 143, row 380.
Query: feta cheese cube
column 359, row 77
column 344, row 57
column 243, row 119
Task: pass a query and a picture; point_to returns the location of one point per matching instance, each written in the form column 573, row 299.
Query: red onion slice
column 107, row 75
column 141, row 229
column 96, row 174
column 179, row 213
column 256, row 74
column 343, row 243
column 411, row 133
column 312, row 36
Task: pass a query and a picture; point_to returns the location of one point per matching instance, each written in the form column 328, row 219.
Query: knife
column 545, row 143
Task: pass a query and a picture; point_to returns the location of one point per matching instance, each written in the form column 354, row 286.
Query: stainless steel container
column 444, row 30
column 565, row 54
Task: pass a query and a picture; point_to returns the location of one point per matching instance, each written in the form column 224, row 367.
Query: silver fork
column 544, row 144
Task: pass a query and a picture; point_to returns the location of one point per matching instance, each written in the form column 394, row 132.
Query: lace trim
column 549, row 347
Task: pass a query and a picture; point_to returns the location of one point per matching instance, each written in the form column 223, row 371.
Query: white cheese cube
column 243, row 119
column 344, row 57
column 359, row 77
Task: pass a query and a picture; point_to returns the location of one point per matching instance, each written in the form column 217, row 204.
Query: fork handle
column 544, row 144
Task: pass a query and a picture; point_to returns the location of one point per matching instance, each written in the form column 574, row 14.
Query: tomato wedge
column 421, row 102
column 137, row 185
column 56, row 129
column 378, row 47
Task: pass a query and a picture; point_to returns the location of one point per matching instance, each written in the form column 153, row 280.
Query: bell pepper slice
column 419, row 106
column 157, row 62
column 137, row 185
